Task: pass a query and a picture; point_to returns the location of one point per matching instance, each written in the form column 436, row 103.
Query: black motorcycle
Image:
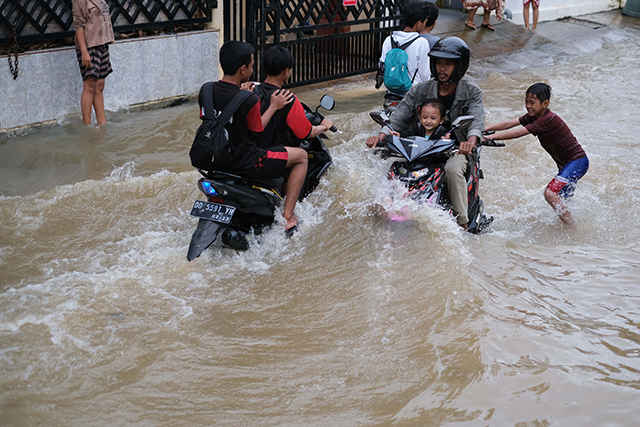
column 422, row 170
column 237, row 208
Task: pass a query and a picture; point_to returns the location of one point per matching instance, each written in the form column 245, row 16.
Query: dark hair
column 434, row 12
column 414, row 11
column 435, row 102
column 277, row 59
column 235, row 54
column 542, row 91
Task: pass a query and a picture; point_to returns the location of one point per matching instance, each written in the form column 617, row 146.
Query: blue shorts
column 564, row 184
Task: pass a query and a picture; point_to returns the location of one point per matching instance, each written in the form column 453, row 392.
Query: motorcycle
column 422, row 168
column 236, row 207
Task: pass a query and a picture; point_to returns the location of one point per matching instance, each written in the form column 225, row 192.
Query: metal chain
column 13, row 70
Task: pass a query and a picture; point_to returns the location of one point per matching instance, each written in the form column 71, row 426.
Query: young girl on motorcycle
column 429, row 122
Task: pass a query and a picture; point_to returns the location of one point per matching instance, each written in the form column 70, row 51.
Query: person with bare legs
column 556, row 138
column 94, row 33
column 535, row 5
column 487, row 5
column 297, row 162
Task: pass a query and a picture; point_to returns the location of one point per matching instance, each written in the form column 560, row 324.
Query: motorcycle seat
column 267, row 182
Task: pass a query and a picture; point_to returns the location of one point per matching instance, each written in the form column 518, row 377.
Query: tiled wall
column 49, row 84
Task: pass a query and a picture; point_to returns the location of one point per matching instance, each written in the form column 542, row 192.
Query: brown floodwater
column 353, row 322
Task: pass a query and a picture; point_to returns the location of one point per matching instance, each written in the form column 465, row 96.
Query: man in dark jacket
column 449, row 61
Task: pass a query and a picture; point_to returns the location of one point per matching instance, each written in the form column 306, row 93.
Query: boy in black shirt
column 250, row 161
column 289, row 123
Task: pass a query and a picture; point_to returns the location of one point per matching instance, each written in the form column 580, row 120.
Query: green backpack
column 396, row 72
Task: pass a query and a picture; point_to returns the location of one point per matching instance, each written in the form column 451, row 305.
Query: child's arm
column 279, row 99
column 507, row 124
column 511, row 134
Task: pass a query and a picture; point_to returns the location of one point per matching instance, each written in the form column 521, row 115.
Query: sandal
column 488, row 26
column 470, row 25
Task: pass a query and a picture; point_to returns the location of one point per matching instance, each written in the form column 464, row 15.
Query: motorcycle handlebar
column 333, row 129
column 492, row 143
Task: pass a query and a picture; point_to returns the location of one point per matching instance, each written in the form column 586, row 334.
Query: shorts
column 564, row 184
column 526, row 2
column 273, row 163
column 100, row 63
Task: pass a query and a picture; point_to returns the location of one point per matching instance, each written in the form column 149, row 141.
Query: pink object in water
column 399, row 216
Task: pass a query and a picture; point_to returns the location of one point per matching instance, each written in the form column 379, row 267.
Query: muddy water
column 353, row 321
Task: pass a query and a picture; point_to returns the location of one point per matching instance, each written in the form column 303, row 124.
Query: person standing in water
column 556, row 138
column 94, row 33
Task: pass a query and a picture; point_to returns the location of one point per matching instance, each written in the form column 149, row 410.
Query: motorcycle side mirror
column 461, row 122
column 380, row 117
column 327, row 102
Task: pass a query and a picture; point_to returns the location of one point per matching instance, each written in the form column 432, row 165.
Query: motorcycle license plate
column 212, row 211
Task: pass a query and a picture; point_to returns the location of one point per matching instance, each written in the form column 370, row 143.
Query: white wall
column 49, row 84
column 554, row 9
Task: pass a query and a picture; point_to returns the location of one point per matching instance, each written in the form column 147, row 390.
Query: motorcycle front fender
column 205, row 234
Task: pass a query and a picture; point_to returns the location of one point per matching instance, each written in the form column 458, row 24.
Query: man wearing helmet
column 449, row 61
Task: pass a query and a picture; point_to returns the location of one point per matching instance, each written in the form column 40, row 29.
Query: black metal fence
column 26, row 21
column 329, row 40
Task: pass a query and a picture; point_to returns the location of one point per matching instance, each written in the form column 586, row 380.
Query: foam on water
column 123, row 172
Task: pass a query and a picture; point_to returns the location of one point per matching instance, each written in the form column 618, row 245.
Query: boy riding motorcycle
column 289, row 122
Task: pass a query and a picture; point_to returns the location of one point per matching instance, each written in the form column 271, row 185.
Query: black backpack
column 211, row 149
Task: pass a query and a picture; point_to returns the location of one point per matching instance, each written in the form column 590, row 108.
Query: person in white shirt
column 416, row 13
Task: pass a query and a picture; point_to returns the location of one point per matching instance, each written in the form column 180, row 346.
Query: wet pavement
column 508, row 38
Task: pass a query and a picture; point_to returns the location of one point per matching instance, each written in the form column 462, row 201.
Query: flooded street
column 353, row 321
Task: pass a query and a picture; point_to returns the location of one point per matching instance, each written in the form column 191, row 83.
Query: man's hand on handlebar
column 466, row 147
column 327, row 123
column 373, row 141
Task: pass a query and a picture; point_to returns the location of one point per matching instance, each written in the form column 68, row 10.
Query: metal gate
column 328, row 40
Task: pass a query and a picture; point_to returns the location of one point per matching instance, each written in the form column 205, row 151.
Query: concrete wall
column 551, row 10
column 49, row 84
